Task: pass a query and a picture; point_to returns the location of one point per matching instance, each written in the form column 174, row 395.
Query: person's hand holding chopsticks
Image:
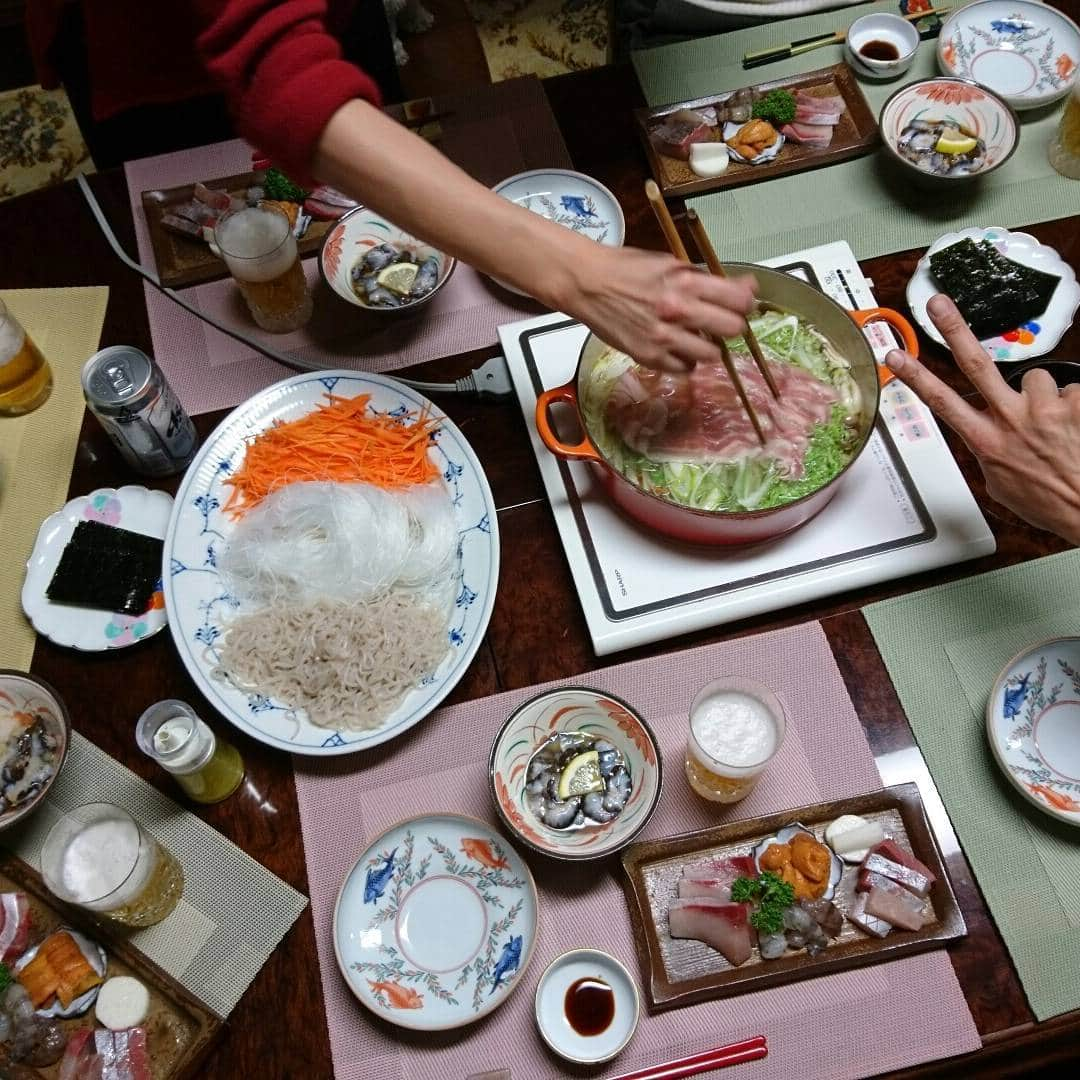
column 1027, row 444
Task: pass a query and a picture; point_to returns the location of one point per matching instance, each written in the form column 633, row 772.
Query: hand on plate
column 1027, row 444
column 655, row 307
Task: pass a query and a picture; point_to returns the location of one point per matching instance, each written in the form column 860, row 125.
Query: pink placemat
column 492, row 132
column 852, row 1024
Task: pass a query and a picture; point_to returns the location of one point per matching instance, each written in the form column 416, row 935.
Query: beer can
column 142, row 416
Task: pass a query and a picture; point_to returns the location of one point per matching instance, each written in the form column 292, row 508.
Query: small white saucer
column 132, row 507
column 551, row 1019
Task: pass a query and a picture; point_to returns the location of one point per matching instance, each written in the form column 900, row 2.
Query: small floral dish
column 1033, row 724
column 959, row 104
column 601, row 718
column 569, row 198
column 578, row 991
column 28, row 696
column 95, row 956
column 784, row 836
column 1027, row 53
column 134, row 508
column 880, row 26
column 435, row 924
column 1025, row 342
column 359, row 232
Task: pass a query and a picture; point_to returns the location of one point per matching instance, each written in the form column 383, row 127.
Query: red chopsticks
column 717, row 1058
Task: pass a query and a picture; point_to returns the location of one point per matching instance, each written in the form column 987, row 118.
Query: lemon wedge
column 581, row 775
column 952, row 142
column 399, row 277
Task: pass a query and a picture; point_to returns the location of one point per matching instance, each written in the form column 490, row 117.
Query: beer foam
column 735, row 728
column 11, row 341
column 251, row 244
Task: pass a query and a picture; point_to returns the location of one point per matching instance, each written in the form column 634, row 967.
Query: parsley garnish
column 777, row 106
column 5, row 978
column 279, row 187
column 771, row 894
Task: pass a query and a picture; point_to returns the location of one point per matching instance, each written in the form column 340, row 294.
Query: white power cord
column 490, row 378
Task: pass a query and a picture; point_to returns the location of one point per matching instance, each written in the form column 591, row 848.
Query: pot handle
column 897, row 322
column 584, row 450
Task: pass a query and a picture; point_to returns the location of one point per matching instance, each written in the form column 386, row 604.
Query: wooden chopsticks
column 701, row 238
column 717, row 1058
column 663, row 215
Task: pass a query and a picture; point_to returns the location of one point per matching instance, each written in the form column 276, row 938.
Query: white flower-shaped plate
column 435, row 924
column 200, row 605
column 1033, row 339
column 134, row 508
column 571, row 199
column 1028, row 53
column 1033, row 724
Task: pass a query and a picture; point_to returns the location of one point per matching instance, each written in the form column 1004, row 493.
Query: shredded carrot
column 340, row 441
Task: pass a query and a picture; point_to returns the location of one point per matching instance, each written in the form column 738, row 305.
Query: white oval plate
column 435, row 924
column 571, row 199
column 134, row 508
column 550, row 1005
column 1026, row 342
column 199, row 604
column 1027, row 53
column 1033, row 724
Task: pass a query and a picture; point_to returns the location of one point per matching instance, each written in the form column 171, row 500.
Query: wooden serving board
column 180, row 1029
column 855, row 135
column 679, row 972
column 184, row 260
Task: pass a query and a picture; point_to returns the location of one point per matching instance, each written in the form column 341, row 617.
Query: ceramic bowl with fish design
column 436, row 923
column 1033, row 726
column 601, row 717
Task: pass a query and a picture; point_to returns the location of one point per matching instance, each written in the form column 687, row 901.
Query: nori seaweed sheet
column 993, row 293
column 107, row 568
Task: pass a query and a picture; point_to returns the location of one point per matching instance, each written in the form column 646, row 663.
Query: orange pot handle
column 582, row 451
column 897, row 322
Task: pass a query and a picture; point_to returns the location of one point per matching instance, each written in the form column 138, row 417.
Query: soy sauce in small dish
column 590, row 1006
column 879, row 50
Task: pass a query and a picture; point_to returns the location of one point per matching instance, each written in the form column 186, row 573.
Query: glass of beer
column 25, row 377
column 736, row 728
column 1064, row 150
column 259, row 248
column 98, row 857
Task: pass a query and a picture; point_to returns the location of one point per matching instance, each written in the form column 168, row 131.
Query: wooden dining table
column 537, row 631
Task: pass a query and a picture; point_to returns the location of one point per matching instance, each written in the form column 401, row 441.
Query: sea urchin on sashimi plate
column 774, row 899
column 331, row 562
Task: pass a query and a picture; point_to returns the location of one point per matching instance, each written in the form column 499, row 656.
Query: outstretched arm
column 1027, row 444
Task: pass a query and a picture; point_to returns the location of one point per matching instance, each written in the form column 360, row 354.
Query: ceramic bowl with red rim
column 1033, row 726
column 915, row 120
column 363, row 234
column 1034, row 338
column 575, row 773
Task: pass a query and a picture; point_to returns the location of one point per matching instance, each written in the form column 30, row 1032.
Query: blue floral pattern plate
column 132, row 507
column 1033, row 724
column 200, row 605
column 435, row 924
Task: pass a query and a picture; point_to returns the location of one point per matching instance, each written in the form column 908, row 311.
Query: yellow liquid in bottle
column 218, row 778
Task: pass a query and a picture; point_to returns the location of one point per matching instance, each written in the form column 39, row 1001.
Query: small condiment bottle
column 206, row 767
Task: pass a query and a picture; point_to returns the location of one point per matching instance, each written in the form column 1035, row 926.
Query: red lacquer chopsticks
column 717, row 1058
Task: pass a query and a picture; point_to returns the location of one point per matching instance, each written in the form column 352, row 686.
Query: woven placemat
column 867, row 202
column 441, row 766
column 944, row 647
column 36, row 451
column 234, row 911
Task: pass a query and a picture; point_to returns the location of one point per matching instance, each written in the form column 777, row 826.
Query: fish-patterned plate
column 435, row 924
column 1028, row 53
column 200, row 605
column 132, row 507
column 596, row 713
column 1035, row 338
column 1033, row 724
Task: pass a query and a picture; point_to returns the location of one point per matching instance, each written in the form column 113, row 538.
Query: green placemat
column 866, row 202
column 943, row 648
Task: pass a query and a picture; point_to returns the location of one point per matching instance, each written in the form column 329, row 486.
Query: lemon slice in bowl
column 399, row 277
column 954, row 142
column 581, row 775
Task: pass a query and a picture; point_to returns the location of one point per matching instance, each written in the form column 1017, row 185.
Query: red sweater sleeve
column 281, row 71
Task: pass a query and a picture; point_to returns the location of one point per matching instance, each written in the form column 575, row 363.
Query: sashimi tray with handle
column 682, row 971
